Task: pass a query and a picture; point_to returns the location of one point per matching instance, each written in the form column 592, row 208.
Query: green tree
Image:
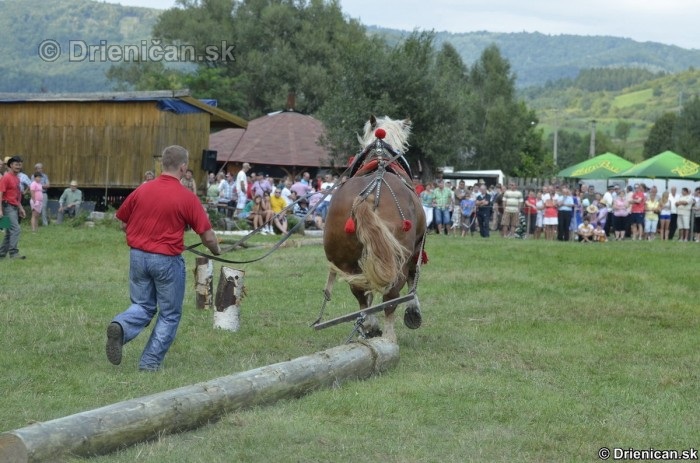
column 535, row 160
column 410, row 80
column 660, row 136
column 622, row 130
column 687, row 131
column 497, row 121
column 572, row 148
column 280, row 47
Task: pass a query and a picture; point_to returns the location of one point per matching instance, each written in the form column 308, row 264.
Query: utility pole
column 591, row 149
column 555, row 147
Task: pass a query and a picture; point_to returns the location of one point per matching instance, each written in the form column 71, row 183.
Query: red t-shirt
column 638, row 208
column 530, row 205
column 156, row 214
column 9, row 185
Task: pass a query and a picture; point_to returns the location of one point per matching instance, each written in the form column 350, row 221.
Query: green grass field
column 529, row 351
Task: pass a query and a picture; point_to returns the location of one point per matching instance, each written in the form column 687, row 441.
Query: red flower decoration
column 406, row 225
column 380, row 133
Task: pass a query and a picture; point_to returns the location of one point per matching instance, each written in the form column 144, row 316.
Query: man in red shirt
column 154, row 217
column 11, row 208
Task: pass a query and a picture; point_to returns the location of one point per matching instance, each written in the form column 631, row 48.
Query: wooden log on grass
column 119, row 425
column 203, row 282
column 229, row 294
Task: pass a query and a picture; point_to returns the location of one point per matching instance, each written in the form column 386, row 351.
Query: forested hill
column 539, row 58
column 27, row 24
column 535, row 58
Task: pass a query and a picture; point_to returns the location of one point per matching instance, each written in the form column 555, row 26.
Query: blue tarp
column 178, row 106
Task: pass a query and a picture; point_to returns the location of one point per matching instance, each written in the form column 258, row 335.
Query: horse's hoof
column 412, row 318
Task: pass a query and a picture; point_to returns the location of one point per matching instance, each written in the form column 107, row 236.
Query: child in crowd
column 467, row 213
column 36, row 202
column 599, row 234
column 585, row 231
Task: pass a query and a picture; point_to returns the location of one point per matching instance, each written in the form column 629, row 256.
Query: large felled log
column 126, row 423
column 229, row 294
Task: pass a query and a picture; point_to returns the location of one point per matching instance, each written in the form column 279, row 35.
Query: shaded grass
column 530, row 351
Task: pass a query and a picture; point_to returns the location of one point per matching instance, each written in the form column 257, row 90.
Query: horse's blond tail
column 383, row 256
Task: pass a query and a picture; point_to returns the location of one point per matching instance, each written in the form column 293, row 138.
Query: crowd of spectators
column 550, row 212
column 267, row 201
column 556, row 212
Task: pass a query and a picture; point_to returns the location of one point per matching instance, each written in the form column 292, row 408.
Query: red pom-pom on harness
column 380, row 133
column 423, row 257
column 349, row 226
column 406, row 226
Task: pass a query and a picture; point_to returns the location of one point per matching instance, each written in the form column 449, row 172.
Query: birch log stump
column 119, row 425
column 229, row 293
column 203, row 282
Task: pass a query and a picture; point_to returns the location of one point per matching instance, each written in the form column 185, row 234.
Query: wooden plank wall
column 100, row 143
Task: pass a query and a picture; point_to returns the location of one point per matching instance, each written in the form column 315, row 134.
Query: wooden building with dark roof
column 281, row 143
column 107, row 141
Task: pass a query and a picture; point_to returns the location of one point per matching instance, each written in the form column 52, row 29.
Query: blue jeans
column 322, row 209
column 156, row 282
column 442, row 216
column 11, row 239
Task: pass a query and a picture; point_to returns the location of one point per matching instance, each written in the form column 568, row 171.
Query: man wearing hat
column 11, row 207
column 301, row 210
column 69, row 202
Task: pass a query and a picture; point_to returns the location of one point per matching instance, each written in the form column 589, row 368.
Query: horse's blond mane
column 397, row 133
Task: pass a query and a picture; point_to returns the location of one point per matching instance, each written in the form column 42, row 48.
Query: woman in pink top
column 620, row 214
column 36, row 201
column 637, row 204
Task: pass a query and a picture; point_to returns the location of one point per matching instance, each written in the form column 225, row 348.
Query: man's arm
column 209, row 240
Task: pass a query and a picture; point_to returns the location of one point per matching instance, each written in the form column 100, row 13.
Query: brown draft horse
column 375, row 227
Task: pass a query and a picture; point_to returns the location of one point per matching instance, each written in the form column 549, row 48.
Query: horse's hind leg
column 370, row 326
column 390, row 313
column 412, row 317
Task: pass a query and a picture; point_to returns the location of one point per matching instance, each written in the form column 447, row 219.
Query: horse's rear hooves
column 412, row 318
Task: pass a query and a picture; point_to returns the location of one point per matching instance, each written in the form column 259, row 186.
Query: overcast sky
column 672, row 22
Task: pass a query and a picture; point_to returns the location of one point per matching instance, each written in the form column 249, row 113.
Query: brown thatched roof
column 286, row 138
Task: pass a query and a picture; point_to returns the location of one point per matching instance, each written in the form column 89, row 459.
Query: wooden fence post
column 229, row 293
column 116, row 426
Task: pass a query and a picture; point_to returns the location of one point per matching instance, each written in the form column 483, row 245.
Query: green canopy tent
column 664, row 165
column 600, row 167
